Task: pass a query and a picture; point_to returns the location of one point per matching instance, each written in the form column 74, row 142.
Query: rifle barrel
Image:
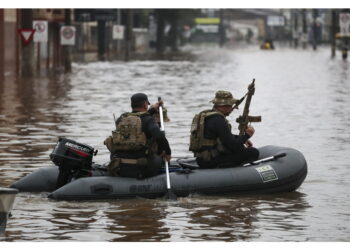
column 243, row 120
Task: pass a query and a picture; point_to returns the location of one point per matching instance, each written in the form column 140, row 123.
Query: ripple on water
column 301, row 94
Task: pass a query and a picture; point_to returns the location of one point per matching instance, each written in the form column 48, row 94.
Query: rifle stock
column 244, row 119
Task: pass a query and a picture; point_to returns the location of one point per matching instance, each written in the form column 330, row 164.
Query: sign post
column 41, row 31
column 67, row 34
column 40, row 36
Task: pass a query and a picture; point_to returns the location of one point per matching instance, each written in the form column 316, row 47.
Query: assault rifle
column 245, row 118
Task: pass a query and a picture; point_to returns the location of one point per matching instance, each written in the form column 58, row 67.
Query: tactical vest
column 128, row 135
column 200, row 146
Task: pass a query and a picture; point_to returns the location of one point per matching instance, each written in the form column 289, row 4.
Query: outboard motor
column 73, row 159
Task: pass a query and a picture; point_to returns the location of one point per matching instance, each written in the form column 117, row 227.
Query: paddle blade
column 170, row 195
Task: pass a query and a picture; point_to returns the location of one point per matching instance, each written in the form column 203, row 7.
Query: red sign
column 26, row 35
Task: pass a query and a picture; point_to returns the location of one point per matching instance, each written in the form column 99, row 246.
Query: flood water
column 302, row 95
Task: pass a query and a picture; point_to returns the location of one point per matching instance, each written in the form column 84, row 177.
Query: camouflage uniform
column 211, row 139
column 136, row 143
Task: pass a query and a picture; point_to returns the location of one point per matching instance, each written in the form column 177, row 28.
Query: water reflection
column 28, row 117
column 239, row 219
column 222, row 219
column 140, row 220
column 195, row 218
column 67, row 219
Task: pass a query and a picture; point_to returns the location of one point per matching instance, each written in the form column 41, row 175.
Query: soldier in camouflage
column 212, row 141
column 137, row 145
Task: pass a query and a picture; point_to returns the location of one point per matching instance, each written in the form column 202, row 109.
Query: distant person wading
column 137, row 145
column 212, row 141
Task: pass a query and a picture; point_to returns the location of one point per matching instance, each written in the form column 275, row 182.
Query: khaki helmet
column 223, row 98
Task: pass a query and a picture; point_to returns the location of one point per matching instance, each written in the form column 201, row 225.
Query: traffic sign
column 118, row 32
column 41, row 34
column 26, row 35
column 67, row 35
column 344, row 23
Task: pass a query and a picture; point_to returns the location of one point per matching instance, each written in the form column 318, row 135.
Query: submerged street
column 302, row 96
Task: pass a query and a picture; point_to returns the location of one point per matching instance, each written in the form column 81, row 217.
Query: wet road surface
column 302, row 95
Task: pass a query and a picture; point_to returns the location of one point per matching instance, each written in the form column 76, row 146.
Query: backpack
column 128, row 135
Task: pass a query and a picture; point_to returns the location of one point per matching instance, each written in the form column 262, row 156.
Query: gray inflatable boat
column 276, row 174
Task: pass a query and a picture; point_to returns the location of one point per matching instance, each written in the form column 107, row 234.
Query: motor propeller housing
column 69, row 154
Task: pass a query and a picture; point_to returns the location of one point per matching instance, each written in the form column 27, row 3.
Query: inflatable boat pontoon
column 283, row 174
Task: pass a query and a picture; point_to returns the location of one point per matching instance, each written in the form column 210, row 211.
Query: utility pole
column 174, row 30
column 85, row 35
column 67, row 53
column 304, row 35
column 296, row 29
column 27, row 65
column 333, row 32
column 221, row 29
column 128, row 34
column 101, row 29
column 314, row 28
column 119, row 21
column 160, row 31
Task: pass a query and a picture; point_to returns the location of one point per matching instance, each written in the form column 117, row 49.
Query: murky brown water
column 303, row 97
